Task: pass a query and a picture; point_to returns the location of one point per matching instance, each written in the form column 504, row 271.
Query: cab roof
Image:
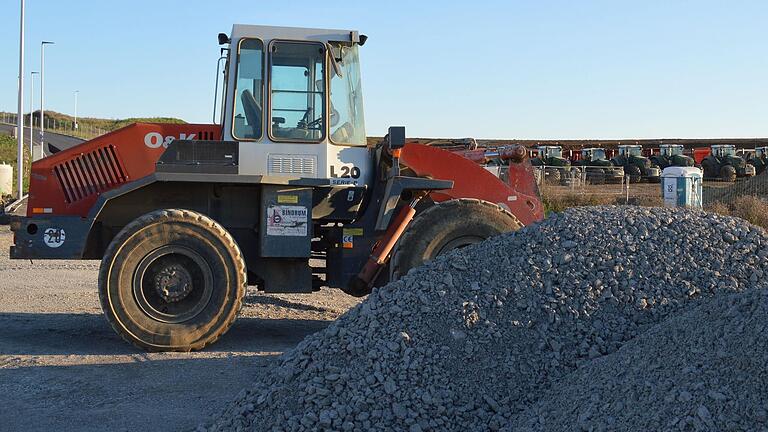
column 267, row 33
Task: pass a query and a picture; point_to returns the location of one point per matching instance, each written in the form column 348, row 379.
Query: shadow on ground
column 90, row 334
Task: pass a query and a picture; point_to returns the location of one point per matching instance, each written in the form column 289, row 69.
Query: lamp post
column 42, row 94
column 76, row 92
column 32, row 111
column 20, row 119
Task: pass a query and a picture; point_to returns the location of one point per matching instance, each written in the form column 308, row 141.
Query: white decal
column 343, row 182
column 287, row 221
column 54, row 237
column 156, row 140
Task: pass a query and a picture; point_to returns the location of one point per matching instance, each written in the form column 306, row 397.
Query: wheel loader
column 759, row 159
column 671, row 155
column 636, row 166
column 551, row 163
column 723, row 164
column 596, row 168
column 281, row 193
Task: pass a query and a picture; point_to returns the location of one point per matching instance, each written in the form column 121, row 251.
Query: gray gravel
column 484, row 338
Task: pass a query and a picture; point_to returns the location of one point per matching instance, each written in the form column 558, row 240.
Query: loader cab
column 761, row 152
column 593, row 154
column 671, row 150
column 723, row 150
column 293, row 102
column 630, row 150
column 546, row 152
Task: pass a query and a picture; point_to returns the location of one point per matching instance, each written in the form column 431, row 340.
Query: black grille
column 90, row 173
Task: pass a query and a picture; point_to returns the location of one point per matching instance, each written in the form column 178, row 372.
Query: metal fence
column 585, row 186
column 84, row 131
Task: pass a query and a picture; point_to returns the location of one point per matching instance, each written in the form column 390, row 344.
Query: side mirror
column 223, row 39
column 396, row 137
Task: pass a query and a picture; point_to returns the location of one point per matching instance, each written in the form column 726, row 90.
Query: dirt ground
column 63, row 368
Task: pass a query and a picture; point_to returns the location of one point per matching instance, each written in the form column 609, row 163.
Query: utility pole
column 76, row 92
column 42, row 95
column 20, row 119
column 32, row 112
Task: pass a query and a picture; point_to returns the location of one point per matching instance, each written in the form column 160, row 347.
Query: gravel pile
column 475, row 339
column 703, row 370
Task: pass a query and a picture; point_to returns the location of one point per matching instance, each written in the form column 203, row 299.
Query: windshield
column 726, row 151
column 630, row 151
column 297, row 85
column 555, row 152
column 598, row 154
column 347, row 120
column 672, row 150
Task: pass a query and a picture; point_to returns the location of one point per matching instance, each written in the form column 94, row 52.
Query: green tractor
column 723, row 163
column 671, row 155
column 759, row 159
column 635, row 165
column 550, row 162
column 597, row 168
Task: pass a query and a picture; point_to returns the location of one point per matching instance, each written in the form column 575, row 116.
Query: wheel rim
column 458, row 243
column 173, row 284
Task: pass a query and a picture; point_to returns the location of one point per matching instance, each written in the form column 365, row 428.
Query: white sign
column 54, row 237
column 287, row 221
column 670, row 191
column 157, row 140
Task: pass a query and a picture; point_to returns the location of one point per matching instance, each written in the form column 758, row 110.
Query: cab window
column 249, row 94
column 346, row 111
column 297, row 91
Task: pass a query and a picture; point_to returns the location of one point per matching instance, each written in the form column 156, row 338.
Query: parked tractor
column 597, row 169
column 723, row 163
column 636, row 166
column 552, row 165
column 671, row 155
column 759, row 159
column 282, row 193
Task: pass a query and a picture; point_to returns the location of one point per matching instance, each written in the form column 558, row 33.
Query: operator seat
column 252, row 111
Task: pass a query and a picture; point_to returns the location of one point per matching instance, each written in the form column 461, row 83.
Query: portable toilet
column 682, row 186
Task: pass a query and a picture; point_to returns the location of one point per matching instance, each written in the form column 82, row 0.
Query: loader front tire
column 172, row 280
column 446, row 226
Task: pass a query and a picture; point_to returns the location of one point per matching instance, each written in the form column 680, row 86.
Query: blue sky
column 488, row 69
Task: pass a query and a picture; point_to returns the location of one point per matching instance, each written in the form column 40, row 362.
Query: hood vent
column 90, row 173
column 300, row 165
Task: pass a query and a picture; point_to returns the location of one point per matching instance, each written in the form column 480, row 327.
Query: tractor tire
column 728, row 173
column 172, row 280
column 553, row 176
column 446, row 226
column 634, row 173
column 596, row 176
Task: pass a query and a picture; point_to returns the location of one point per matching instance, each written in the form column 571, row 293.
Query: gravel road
column 62, row 367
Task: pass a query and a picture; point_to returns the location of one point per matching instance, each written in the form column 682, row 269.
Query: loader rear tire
column 728, row 173
column 172, row 280
column 446, row 226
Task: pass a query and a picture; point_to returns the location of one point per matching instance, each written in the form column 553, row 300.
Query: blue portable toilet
column 682, row 187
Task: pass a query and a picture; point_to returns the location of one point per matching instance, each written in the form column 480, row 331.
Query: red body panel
column 700, row 153
column 471, row 180
column 70, row 182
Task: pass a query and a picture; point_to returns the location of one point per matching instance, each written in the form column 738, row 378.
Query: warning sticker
column 287, row 199
column 287, row 221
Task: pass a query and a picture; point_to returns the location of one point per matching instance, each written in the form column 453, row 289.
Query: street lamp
column 32, row 111
column 20, row 119
column 76, row 92
column 42, row 94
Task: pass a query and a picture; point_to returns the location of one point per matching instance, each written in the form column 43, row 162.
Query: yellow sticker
column 287, row 199
column 352, row 232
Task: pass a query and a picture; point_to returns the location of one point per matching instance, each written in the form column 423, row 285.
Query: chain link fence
column 54, row 125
